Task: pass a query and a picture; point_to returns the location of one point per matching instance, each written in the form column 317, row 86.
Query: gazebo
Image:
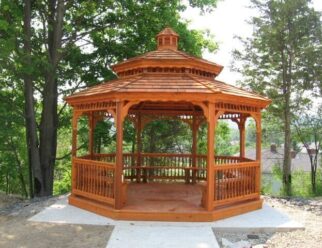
column 166, row 83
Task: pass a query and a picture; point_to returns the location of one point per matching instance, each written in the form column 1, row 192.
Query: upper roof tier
column 167, row 56
column 167, row 73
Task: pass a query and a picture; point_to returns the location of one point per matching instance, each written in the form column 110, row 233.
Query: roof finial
column 167, row 39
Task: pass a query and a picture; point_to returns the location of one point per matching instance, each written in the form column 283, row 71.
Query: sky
column 226, row 21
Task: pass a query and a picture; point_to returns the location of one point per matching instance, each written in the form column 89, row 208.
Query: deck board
column 164, row 197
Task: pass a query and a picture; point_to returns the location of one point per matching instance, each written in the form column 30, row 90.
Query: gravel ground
column 306, row 211
column 16, row 231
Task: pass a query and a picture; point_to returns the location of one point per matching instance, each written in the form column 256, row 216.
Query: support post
column 119, row 156
column 139, row 147
column 210, row 157
column 91, row 134
column 258, row 138
column 194, row 148
column 74, row 149
column 241, row 127
column 74, row 134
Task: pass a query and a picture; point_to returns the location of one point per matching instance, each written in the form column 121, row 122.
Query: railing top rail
column 91, row 162
column 166, row 155
column 171, row 154
column 104, row 154
column 236, row 166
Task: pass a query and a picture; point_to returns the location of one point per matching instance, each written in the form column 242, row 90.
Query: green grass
column 301, row 183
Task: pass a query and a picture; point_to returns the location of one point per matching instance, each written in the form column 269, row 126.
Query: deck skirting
column 194, row 216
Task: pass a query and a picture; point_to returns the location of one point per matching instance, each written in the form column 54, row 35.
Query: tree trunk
column 49, row 117
column 286, row 68
column 287, row 150
column 19, row 168
column 313, row 162
column 48, row 133
column 30, row 116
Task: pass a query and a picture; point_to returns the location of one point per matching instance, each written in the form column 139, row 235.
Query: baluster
column 255, row 178
column 234, row 180
column 86, row 174
column 99, row 180
column 108, row 185
column 77, row 176
column 93, row 177
column 94, row 167
column 250, row 183
column 229, row 183
column 83, row 177
column 244, row 175
column 226, row 183
column 90, row 178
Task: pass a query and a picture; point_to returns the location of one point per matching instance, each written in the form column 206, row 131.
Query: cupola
column 167, row 39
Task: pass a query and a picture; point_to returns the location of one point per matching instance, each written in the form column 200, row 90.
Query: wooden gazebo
column 166, row 83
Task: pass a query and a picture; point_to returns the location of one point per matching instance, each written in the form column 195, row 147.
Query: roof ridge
column 130, row 82
column 134, row 58
column 236, row 87
column 189, row 56
column 198, row 80
column 96, row 86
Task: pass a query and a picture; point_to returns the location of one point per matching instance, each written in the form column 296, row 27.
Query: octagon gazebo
column 166, row 83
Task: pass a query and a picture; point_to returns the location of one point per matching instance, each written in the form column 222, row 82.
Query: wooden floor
column 164, row 202
column 161, row 197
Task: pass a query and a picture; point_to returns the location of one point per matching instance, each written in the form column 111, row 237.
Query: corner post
column 194, row 147
column 210, row 157
column 258, row 137
column 91, row 134
column 74, row 148
column 241, row 127
column 139, row 147
column 74, row 134
column 119, row 156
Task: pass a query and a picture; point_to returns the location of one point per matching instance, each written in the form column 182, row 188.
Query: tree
column 283, row 61
column 67, row 45
column 309, row 132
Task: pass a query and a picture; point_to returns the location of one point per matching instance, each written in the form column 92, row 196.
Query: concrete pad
column 265, row 219
column 160, row 236
column 62, row 212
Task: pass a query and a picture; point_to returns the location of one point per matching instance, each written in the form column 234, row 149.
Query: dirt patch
column 16, row 231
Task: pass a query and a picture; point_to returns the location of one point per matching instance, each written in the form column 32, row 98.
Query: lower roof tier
column 179, row 83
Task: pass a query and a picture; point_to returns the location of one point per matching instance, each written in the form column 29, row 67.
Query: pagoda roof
column 164, row 83
column 168, row 58
column 167, row 71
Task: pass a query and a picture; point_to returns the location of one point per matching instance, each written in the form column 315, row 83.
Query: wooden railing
column 165, row 166
column 160, row 166
column 235, row 179
column 93, row 179
column 236, row 182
